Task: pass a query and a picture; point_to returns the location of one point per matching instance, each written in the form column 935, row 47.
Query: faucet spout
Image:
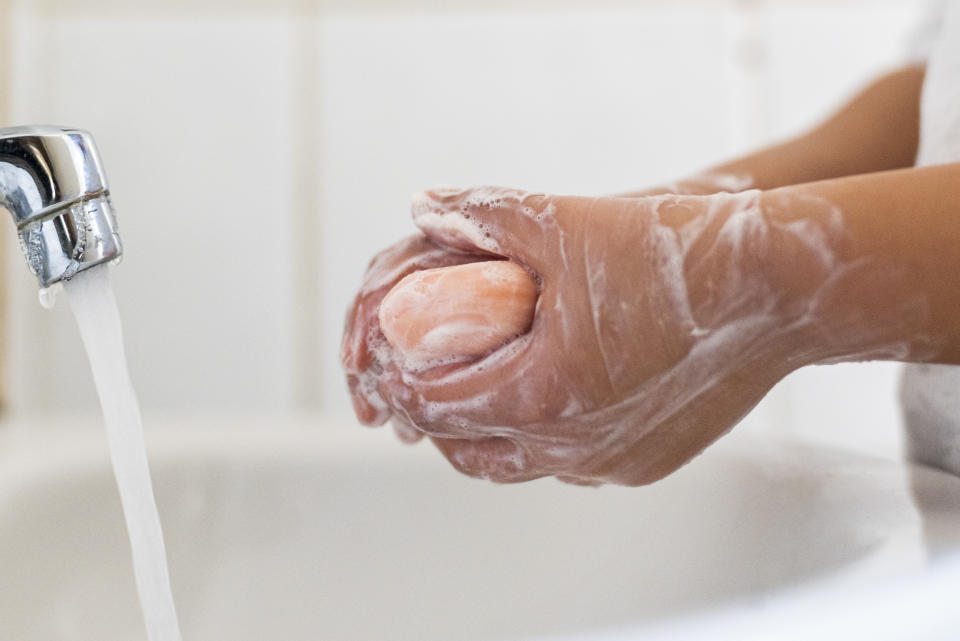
column 53, row 185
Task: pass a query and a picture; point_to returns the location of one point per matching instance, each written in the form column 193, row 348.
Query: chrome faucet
column 52, row 183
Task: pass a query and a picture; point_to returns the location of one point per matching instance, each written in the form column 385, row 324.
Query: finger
column 413, row 253
column 406, row 433
column 368, row 406
column 360, row 362
column 365, row 353
column 473, row 399
column 490, row 220
column 582, row 481
column 496, row 459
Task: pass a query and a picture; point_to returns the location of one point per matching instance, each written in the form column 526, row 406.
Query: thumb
column 485, row 220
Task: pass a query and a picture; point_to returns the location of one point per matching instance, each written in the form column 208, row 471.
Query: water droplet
column 48, row 295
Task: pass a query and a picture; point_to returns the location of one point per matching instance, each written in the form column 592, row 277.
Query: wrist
column 854, row 295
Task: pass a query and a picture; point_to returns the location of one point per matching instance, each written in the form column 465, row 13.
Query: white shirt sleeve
column 921, row 40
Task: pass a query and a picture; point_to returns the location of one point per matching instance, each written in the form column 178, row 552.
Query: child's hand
column 660, row 323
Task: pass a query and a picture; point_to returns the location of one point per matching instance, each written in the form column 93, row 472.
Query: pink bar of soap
column 458, row 312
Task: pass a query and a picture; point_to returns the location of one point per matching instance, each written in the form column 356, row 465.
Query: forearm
column 893, row 287
column 877, row 130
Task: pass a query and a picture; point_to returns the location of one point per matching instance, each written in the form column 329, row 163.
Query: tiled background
column 259, row 153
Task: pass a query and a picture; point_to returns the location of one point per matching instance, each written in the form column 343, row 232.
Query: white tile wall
column 193, row 120
column 818, row 57
column 293, row 148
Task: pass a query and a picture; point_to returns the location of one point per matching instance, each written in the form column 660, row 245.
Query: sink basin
column 312, row 529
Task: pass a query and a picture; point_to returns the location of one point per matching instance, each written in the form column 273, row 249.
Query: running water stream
column 91, row 298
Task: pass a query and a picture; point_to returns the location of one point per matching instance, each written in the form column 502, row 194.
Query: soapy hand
column 661, row 321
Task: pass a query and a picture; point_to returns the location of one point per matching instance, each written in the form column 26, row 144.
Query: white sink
column 312, row 530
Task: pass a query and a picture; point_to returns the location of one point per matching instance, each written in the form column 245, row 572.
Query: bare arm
column 896, row 279
column 876, row 131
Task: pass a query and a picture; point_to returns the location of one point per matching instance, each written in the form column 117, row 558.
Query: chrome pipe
column 53, row 184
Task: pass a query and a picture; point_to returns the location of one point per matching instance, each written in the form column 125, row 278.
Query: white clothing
column 931, row 393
